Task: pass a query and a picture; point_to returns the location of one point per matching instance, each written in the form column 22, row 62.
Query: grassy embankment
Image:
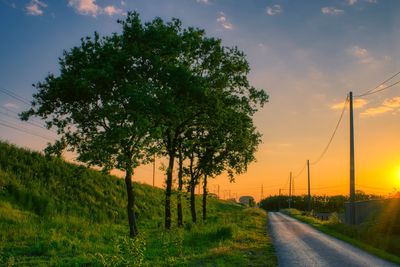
column 373, row 236
column 53, row 213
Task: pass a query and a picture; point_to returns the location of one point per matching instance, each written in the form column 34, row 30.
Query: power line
column 380, row 90
column 369, row 92
column 15, row 96
column 28, row 122
column 5, row 124
column 16, row 113
column 333, row 134
column 301, row 171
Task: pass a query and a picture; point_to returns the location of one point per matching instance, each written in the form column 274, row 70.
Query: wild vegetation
column 319, row 203
column 54, row 213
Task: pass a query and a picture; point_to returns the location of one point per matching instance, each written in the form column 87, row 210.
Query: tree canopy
column 152, row 89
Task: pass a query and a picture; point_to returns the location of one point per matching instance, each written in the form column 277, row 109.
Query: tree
column 200, row 73
column 226, row 141
column 101, row 101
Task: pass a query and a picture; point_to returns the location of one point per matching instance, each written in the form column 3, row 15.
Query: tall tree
column 226, row 142
column 101, row 101
column 201, row 74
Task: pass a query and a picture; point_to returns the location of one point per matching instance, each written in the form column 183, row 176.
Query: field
column 54, row 213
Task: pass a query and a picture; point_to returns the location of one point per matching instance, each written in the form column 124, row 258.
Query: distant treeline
column 318, row 203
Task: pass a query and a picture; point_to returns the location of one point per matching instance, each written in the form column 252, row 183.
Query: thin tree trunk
column 133, row 231
column 168, row 191
column 205, row 198
column 193, row 200
column 180, row 185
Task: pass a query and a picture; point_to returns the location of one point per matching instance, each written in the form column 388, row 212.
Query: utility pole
column 352, row 173
column 279, row 200
column 309, row 193
column 262, row 192
column 154, row 169
column 218, row 192
column 290, row 189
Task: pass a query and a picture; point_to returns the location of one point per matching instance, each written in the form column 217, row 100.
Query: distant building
column 247, row 201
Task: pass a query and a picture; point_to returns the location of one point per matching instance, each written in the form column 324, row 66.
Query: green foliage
column 127, row 252
column 318, row 203
column 85, row 225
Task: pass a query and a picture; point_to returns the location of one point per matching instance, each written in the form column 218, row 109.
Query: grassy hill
column 54, row 213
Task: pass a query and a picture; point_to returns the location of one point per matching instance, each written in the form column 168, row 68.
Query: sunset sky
column 307, row 55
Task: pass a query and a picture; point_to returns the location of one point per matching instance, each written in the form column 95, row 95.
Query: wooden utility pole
column 290, row 189
column 154, row 170
column 262, row 193
column 279, row 200
column 352, row 173
column 309, row 192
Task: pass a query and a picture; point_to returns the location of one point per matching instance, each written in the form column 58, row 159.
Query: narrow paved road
column 298, row 244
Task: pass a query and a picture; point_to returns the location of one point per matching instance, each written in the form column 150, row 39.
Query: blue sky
column 307, row 55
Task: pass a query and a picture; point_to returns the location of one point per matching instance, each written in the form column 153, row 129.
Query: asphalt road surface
column 298, row 244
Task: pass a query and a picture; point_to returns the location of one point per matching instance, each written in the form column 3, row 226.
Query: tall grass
column 54, row 213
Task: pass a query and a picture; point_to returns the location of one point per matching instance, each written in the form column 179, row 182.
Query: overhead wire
column 301, row 171
column 8, row 125
column 333, row 134
column 28, row 122
column 379, row 90
column 372, row 91
column 15, row 96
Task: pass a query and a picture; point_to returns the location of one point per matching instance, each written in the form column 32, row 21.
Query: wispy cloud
column 35, row 8
column 363, row 56
column 359, row 52
column 274, row 10
column 91, row 8
column 85, row 7
column 376, row 111
column 392, row 102
column 331, row 11
column 10, row 105
column 203, row 1
column 113, row 10
column 353, row 2
column 388, row 105
column 357, row 103
column 224, row 21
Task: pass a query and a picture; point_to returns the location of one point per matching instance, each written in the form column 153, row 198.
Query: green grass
column 53, row 213
column 364, row 236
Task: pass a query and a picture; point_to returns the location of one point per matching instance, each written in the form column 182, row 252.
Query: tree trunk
column 193, row 200
column 168, row 191
column 180, row 185
column 205, row 198
column 133, row 231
